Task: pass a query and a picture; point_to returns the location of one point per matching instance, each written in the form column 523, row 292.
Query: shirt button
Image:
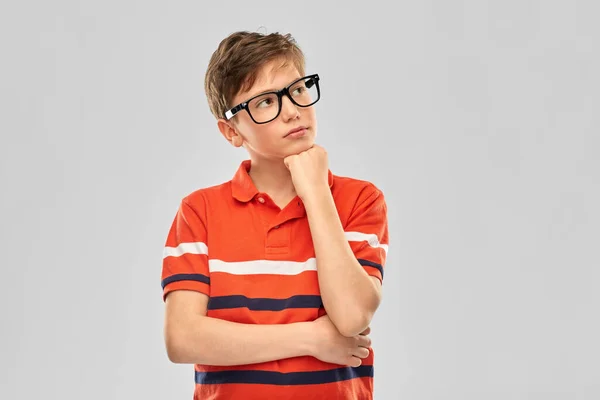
column 260, row 199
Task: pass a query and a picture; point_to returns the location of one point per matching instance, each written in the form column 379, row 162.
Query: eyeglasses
column 265, row 107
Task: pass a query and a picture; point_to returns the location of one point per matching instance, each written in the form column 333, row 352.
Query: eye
column 265, row 102
column 298, row 90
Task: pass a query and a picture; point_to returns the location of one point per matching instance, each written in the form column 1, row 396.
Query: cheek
column 263, row 137
column 271, row 135
column 311, row 115
column 249, row 130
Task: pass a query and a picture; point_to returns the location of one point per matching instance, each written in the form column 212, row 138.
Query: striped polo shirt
column 257, row 264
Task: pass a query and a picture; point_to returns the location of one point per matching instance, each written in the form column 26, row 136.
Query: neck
column 272, row 177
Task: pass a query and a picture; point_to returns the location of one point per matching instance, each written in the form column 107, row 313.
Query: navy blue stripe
column 185, row 277
column 262, row 304
column 371, row 264
column 280, row 378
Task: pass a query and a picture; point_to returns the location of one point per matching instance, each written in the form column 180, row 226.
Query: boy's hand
column 331, row 347
column 309, row 171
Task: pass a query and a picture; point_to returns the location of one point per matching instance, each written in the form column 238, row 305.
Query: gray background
column 478, row 119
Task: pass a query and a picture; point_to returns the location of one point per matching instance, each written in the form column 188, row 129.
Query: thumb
column 354, row 362
column 287, row 160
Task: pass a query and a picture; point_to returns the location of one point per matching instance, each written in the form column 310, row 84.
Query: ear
column 230, row 133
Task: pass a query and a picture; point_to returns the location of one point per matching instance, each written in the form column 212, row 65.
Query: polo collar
column 242, row 187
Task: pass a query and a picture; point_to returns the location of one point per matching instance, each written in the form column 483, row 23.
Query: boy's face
column 269, row 141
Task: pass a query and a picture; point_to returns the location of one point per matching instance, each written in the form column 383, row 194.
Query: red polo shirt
column 257, row 264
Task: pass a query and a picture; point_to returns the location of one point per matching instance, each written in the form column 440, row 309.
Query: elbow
column 175, row 345
column 174, row 356
column 355, row 325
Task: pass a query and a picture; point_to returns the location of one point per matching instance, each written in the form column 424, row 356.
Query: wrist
column 306, row 338
column 317, row 196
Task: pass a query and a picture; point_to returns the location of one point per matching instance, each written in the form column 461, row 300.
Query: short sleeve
column 185, row 255
column 367, row 231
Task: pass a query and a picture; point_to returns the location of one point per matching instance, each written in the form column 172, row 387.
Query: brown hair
column 235, row 64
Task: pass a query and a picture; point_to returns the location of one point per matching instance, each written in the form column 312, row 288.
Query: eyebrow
column 273, row 89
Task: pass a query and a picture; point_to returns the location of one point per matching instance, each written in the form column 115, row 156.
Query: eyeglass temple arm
column 229, row 114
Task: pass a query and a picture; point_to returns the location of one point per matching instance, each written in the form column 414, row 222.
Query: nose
column 288, row 109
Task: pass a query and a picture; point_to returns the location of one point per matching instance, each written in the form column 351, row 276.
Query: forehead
column 274, row 75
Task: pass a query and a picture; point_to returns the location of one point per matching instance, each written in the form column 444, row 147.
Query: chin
column 303, row 145
column 297, row 148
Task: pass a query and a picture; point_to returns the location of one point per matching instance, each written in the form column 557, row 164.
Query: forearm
column 349, row 295
column 212, row 341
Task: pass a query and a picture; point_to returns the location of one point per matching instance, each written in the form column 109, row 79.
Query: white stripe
column 370, row 238
column 257, row 267
column 185, row 248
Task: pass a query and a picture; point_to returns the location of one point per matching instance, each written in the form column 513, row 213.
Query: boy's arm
column 193, row 338
column 350, row 294
column 349, row 274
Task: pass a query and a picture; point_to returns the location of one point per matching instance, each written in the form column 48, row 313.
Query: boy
column 270, row 280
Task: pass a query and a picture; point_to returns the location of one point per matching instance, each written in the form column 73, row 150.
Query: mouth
column 299, row 131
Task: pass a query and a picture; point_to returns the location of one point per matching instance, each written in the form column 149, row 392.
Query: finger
column 364, row 341
column 361, row 352
column 353, row 362
column 366, row 331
